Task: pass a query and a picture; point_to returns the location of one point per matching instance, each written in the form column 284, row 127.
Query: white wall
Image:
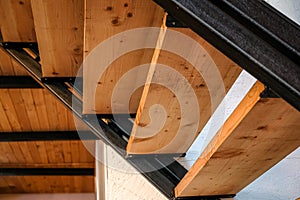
column 290, row 8
column 124, row 182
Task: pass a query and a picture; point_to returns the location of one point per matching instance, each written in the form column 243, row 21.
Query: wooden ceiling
column 46, row 184
column 41, row 154
column 35, row 110
column 10, row 67
column 66, row 33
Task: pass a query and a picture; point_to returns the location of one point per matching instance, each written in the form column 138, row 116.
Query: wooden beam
column 16, row 21
column 59, row 30
column 180, row 128
column 104, row 19
column 257, row 135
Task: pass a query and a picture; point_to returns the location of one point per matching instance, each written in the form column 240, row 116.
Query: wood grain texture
column 45, row 154
column 34, row 110
column 50, row 154
column 9, row 67
column 103, row 19
column 16, row 21
column 46, row 184
column 59, row 30
column 180, row 130
column 258, row 134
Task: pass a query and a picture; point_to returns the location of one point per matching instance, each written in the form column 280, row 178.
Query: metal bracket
column 15, row 45
column 268, row 93
column 174, row 23
column 58, row 79
column 33, row 46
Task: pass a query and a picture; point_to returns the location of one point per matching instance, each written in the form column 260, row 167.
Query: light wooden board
column 257, row 135
column 9, row 67
column 34, row 110
column 45, row 154
column 46, row 184
column 179, row 131
column 59, row 30
column 16, row 21
column 103, row 19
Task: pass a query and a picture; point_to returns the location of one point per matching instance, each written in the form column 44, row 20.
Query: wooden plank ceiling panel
column 46, row 184
column 50, row 154
column 59, row 30
column 179, row 131
column 103, row 19
column 257, row 135
column 16, row 21
column 34, row 110
column 9, row 67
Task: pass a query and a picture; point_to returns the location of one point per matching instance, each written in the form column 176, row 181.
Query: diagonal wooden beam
column 209, row 77
column 257, row 135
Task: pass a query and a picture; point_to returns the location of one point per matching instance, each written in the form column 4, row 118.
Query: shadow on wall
column 281, row 182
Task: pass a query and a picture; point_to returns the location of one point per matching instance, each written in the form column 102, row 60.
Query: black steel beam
column 217, row 197
column 165, row 179
column 46, row 172
column 174, row 23
column 58, row 79
column 267, row 22
column 9, row 82
column 31, row 45
column 46, row 135
column 250, row 32
column 268, row 93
